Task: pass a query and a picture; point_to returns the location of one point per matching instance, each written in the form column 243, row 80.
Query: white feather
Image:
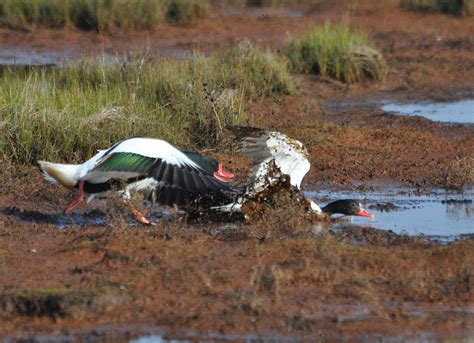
column 145, row 184
column 155, row 148
column 315, row 207
column 289, row 155
column 65, row 174
column 232, row 207
column 90, row 163
column 147, row 147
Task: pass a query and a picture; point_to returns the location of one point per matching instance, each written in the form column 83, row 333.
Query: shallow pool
column 439, row 214
column 461, row 111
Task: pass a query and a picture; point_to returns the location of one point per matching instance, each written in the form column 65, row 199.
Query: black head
column 348, row 207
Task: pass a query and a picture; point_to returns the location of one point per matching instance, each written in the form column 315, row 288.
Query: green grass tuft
column 336, row 51
column 99, row 15
column 66, row 114
column 463, row 7
column 269, row 3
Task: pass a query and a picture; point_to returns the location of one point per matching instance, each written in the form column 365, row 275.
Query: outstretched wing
column 158, row 166
column 289, row 155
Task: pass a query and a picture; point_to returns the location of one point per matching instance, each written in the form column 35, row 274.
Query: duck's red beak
column 365, row 213
column 223, row 175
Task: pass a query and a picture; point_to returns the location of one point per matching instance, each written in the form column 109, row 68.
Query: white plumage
column 270, row 149
column 289, row 155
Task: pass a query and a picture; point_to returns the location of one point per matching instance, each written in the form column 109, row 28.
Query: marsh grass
column 66, row 114
column 99, row 15
column 185, row 11
column 269, row 3
column 336, row 51
column 263, row 3
column 464, row 7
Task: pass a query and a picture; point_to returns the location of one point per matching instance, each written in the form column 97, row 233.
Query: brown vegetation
column 186, row 279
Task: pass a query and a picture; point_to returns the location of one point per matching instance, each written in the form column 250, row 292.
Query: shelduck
column 164, row 173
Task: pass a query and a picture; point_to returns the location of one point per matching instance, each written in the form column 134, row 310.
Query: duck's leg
column 78, row 200
column 140, row 217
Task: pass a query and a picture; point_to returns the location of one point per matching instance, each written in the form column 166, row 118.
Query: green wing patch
column 126, row 162
column 207, row 163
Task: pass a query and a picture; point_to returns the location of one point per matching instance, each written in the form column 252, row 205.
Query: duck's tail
column 64, row 174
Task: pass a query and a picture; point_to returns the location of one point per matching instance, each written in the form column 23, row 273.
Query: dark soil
column 116, row 281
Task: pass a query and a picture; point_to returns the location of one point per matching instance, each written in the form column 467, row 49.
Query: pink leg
column 77, row 201
column 139, row 216
column 221, row 174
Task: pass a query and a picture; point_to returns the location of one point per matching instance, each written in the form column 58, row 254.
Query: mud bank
column 185, row 278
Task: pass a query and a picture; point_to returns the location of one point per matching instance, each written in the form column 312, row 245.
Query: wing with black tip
column 159, row 167
column 289, row 155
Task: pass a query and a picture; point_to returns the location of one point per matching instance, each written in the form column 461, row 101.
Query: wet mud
column 92, row 275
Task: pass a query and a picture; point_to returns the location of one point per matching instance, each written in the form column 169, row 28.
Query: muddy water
column 437, row 215
column 59, row 57
column 461, row 111
column 217, row 337
column 35, row 57
column 423, row 337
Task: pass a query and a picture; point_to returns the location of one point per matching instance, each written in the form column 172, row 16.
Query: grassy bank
column 65, row 114
column 99, row 15
column 336, row 51
column 464, row 7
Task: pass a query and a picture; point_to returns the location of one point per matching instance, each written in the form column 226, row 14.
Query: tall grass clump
column 269, row 3
column 336, row 51
column 100, row 15
column 185, row 11
column 262, row 72
column 49, row 13
column 262, row 3
column 66, row 114
column 462, row 7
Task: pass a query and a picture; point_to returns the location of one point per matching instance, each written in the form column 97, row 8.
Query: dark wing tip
column 187, row 178
column 171, row 196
